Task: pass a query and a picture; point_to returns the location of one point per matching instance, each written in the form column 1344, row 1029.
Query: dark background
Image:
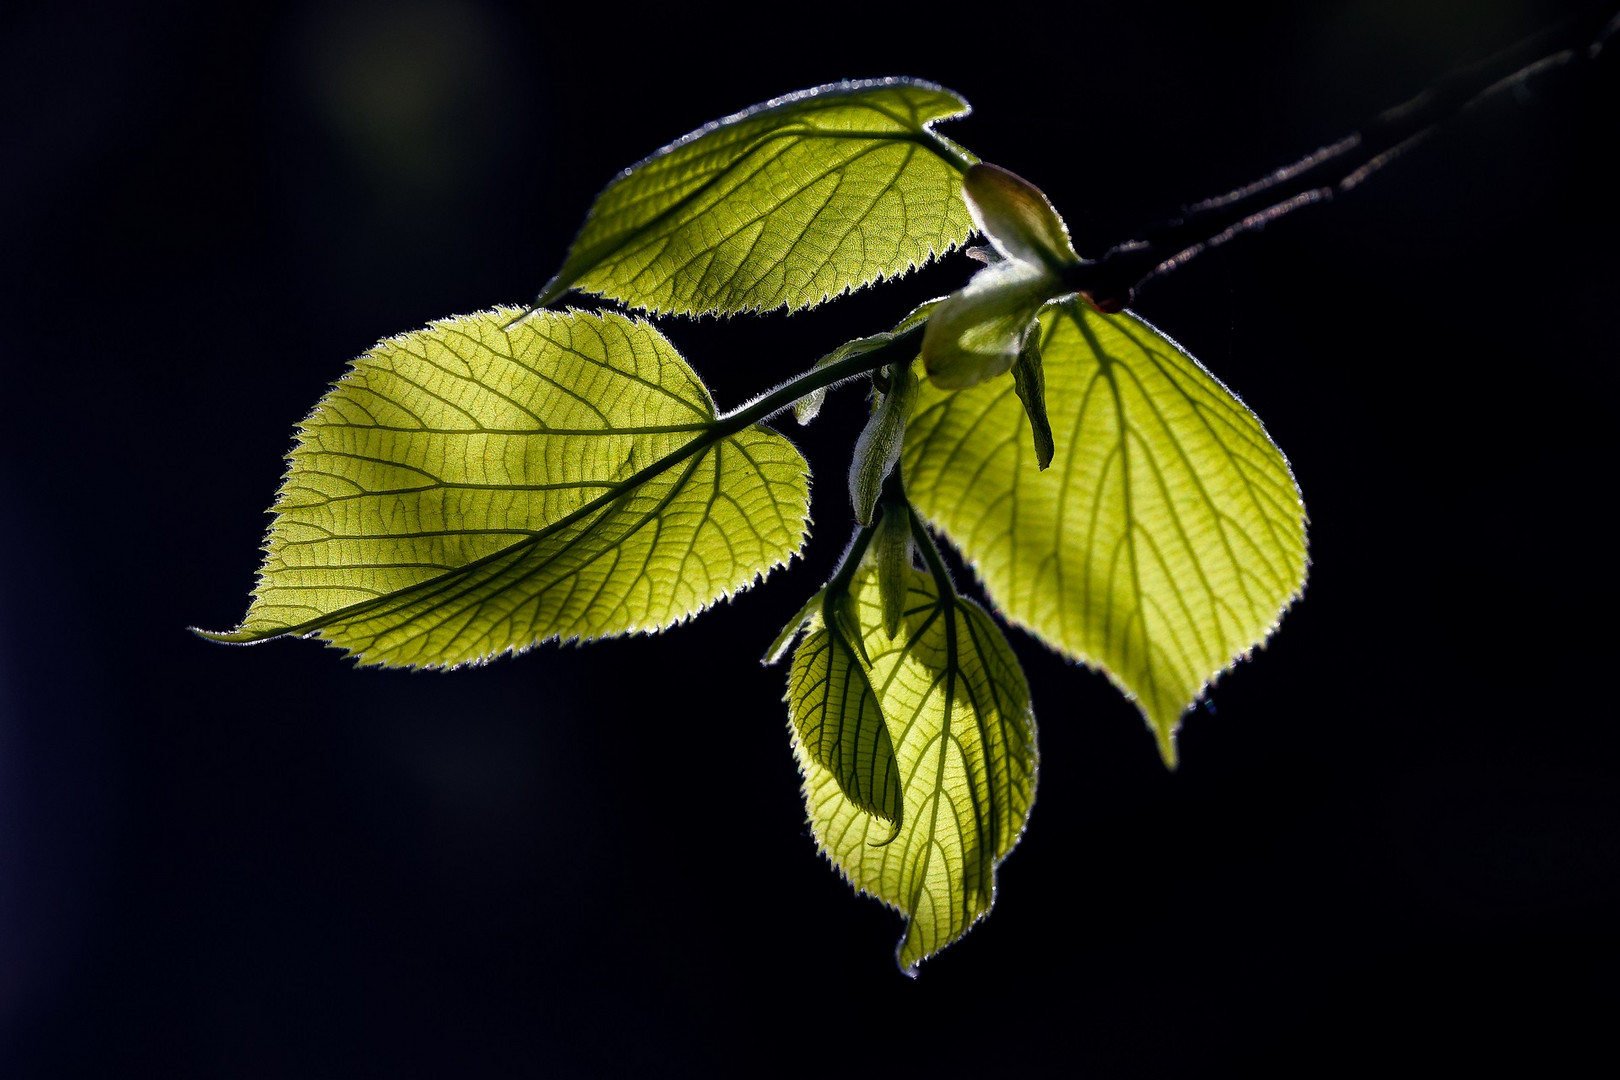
column 1393, row 838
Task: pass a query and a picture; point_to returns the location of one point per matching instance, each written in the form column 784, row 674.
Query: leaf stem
column 1111, row 281
column 761, row 408
column 945, row 148
column 774, row 401
column 932, row 558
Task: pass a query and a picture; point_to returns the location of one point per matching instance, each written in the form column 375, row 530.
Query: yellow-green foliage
column 958, row 716
column 1167, row 537
column 469, row 489
column 501, row 479
column 783, row 205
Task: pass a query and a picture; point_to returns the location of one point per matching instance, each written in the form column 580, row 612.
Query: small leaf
column 1166, row 540
column 786, row 204
column 1018, row 218
column 878, row 447
column 977, row 332
column 956, row 704
column 1029, row 383
column 808, row 407
column 468, row 490
column 837, row 721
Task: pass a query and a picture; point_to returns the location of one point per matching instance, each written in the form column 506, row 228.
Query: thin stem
column 902, row 346
column 948, row 150
column 850, row 563
column 1111, row 281
column 934, row 561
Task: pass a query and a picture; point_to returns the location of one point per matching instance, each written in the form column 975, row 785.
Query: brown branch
column 1110, row 283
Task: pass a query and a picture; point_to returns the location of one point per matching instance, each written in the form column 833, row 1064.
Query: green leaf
column 957, row 709
column 1166, row 540
column 468, row 490
column 837, row 721
column 786, row 204
column 1029, row 383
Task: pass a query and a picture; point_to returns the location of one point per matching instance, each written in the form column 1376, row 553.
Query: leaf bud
column 878, row 448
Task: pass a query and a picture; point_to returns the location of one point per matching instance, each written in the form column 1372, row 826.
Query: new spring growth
column 892, row 552
column 878, row 448
column 979, row 331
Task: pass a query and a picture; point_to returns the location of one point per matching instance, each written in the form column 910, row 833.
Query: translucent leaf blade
column 786, row 204
column 837, row 720
column 468, row 490
column 1166, row 539
column 957, row 708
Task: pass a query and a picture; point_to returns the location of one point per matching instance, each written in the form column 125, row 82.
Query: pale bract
column 808, row 407
column 979, row 331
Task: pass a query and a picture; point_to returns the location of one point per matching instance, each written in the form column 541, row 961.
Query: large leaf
column 957, row 711
column 468, row 490
column 1166, row 539
column 786, row 204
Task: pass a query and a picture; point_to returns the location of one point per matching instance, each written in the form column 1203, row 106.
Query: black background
column 1393, row 838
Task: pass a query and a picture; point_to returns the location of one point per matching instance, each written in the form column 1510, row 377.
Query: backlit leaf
column 1166, row 539
column 786, row 204
column 957, row 709
column 468, row 490
column 837, row 720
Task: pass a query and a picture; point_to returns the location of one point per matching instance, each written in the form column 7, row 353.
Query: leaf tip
column 897, row 822
column 549, row 293
column 907, row 957
column 522, row 313
column 239, row 636
column 1165, row 734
